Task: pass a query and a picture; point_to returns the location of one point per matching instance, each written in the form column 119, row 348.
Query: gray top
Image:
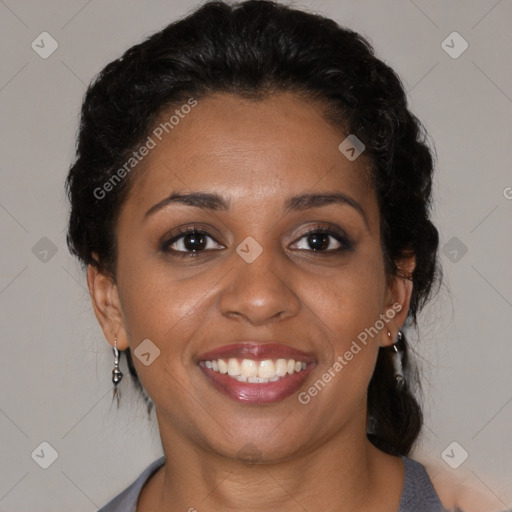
column 418, row 494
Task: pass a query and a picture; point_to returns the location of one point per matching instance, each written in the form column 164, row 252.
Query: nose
column 259, row 292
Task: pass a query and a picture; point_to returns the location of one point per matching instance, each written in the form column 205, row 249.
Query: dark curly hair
column 255, row 49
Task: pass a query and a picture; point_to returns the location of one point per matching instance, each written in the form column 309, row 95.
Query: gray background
column 55, row 365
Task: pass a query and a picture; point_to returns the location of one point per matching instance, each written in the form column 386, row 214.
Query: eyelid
column 345, row 243
column 192, row 228
column 319, row 227
column 180, row 232
column 322, row 227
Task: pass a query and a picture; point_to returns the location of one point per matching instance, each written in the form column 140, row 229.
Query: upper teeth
column 249, row 370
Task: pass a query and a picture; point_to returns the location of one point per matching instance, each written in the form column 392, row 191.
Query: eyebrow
column 204, row 200
column 215, row 202
column 306, row 201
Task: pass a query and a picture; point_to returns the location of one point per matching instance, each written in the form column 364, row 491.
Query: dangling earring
column 116, row 374
column 397, row 362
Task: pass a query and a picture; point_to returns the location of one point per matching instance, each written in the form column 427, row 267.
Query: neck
column 346, row 469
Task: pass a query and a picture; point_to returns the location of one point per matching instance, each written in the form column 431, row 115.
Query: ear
column 398, row 299
column 107, row 305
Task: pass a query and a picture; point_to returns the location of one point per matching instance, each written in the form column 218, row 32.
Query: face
column 248, row 235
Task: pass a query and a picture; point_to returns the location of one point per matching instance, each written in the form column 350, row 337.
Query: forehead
column 251, row 150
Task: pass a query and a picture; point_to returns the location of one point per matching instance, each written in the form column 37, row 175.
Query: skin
column 257, row 155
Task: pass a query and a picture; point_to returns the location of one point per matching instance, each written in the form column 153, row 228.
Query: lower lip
column 254, row 393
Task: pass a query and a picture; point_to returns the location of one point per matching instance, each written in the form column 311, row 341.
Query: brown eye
column 194, row 242
column 191, row 241
column 321, row 240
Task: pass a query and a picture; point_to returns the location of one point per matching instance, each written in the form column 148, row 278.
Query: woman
column 251, row 200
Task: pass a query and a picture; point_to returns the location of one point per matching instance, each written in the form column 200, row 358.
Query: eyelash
column 340, row 237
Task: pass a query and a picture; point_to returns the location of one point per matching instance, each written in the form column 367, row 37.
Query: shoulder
column 126, row 501
column 462, row 492
column 418, row 493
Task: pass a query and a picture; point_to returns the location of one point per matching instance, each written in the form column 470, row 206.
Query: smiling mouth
column 256, row 373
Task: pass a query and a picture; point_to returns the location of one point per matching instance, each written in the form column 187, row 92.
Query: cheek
column 347, row 307
column 350, row 346
column 167, row 311
column 161, row 310
column 351, row 299
column 154, row 297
